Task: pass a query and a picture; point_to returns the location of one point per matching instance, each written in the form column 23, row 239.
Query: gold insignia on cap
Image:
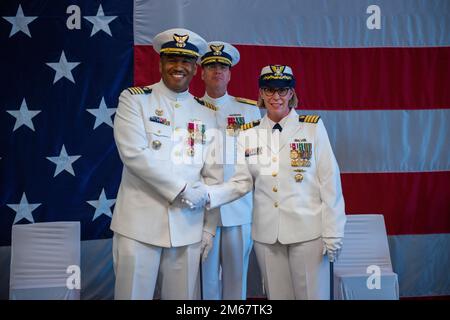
column 278, row 70
column 217, row 50
column 180, row 40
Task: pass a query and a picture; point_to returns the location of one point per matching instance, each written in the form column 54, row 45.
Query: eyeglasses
column 282, row 92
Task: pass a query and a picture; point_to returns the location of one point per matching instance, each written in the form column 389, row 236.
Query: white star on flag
column 19, row 23
column 64, row 162
column 102, row 205
column 63, row 68
column 23, row 116
column 100, row 22
column 24, row 209
column 102, row 114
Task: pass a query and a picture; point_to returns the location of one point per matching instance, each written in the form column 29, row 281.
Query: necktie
column 277, row 127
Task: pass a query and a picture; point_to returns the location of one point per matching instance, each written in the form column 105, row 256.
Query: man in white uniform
column 163, row 135
column 298, row 207
column 225, row 268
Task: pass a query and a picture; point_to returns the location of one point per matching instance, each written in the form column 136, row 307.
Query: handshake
column 195, row 196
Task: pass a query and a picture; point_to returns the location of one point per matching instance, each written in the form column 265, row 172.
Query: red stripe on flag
column 412, row 203
column 336, row 78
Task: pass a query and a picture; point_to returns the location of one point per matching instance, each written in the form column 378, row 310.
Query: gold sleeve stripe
column 139, row 90
column 246, row 101
column 250, row 125
column 210, row 106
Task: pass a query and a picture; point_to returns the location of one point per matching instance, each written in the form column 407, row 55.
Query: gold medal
column 305, row 163
column 298, row 177
column 294, row 155
column 159, row 112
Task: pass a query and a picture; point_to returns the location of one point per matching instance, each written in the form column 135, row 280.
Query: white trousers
column 229, row 257
column 294, row 271
column 137, row 264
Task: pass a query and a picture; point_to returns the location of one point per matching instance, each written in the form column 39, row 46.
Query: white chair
column 365, row 246
column 40, row 256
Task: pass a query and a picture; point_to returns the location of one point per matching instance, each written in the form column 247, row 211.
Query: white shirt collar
column 283, row 121
column 216, row 101
column 172, row 95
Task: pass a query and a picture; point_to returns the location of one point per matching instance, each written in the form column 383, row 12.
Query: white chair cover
column 40, row 256
column 365, row 244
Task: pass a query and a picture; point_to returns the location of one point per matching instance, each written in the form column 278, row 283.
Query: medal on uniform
column 294, row 155
column 159, row 112
column 200, row 133
column 234, row 123
column 198, row 130
column 298, row 176
column 191, row 139
column 305, row 154
column 196, row 134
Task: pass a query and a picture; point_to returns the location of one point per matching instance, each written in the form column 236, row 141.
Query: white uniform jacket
column 232, row 110
column 293, row 202
column 151, row 134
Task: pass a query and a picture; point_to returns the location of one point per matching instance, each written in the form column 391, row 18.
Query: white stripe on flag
column 309, row 23
column 389, row 141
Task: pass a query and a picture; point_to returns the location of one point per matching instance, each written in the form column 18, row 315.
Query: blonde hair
column 293, row 102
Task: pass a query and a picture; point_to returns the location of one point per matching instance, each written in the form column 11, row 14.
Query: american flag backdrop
column 61, row 74
column 378, row 72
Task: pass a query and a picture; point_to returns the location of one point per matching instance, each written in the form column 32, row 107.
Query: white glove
column 333, row 247
column 206, row 246
column 195, row 196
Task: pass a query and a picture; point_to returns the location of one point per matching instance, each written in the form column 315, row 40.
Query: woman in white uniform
column 298, row 212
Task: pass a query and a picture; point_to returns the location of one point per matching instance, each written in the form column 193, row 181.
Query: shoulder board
column 250, row 125
column 308, row 118
column 139, row 90
column 206, row 104
column 247, row 101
